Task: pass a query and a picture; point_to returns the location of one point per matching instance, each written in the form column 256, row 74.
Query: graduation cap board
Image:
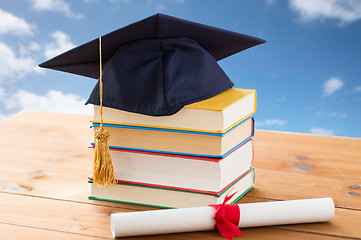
column 155, row 67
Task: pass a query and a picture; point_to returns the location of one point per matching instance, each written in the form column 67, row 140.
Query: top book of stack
column 217, row 114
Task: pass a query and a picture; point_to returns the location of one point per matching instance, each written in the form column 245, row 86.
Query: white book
column 168, row 197
column 180, row 171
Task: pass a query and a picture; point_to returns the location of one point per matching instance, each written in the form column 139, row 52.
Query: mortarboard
column 157, row 65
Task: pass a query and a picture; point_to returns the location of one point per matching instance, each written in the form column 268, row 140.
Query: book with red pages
column 171, row 197
column 176, row 141
column 202, row 173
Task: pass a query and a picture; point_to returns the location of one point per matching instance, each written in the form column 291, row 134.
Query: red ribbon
column 227, row 218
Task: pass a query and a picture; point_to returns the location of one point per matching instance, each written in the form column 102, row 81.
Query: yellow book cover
column 223, row 100
column 216, row 114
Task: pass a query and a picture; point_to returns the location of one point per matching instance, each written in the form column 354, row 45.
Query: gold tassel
column 103, row 171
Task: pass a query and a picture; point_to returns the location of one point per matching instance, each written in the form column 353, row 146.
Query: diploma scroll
column 201, row 218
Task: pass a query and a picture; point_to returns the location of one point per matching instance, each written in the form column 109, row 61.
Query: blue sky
column 307, row 75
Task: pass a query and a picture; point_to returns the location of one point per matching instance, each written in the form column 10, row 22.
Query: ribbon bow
column 227, row 218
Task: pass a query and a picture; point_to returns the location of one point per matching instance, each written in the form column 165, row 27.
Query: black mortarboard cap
column 157, row 65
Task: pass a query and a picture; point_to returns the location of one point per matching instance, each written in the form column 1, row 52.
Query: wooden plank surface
column 18, row 232
column 93, row 220
column 45, row 162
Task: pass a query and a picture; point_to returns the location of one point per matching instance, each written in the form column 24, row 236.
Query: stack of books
column 189, row 159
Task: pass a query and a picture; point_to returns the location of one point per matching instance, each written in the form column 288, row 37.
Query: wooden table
column 45, row 162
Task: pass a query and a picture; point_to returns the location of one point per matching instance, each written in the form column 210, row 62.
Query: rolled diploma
column 201, row 218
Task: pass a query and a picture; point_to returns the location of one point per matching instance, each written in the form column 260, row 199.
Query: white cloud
column 338, row 115
column 2, row 98
column 13, row 66
column 29, row 49
column 126, row 2
column 3, row 117
column 62, row 43
column 281, row 99
column 270, row 2
column 322, row 131
column 2, row 94
column 10, row 23
column 33, row 46
column 160, row 8
column 55, row 5
column 53, row 101
column 331, row 114
column 273, row 121
column 120, row 1
column 331, row 86
column 358, row 89
column 345, row 11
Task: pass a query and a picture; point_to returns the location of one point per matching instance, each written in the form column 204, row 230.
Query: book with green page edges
column 168, row 197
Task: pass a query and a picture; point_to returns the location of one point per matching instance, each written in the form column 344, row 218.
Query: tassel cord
column 103, row 170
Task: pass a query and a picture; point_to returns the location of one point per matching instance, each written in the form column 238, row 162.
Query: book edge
column 189, row 154
column 162, row 187
column 132, row 203
column 175, row 129
column 157, row 206
column 171, row 154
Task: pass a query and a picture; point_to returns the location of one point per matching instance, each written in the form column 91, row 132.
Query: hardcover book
column 217, row 145
column 165, row 197
column 216, row 114
column 202, row 173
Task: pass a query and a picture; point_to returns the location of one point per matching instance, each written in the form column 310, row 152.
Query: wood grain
column 93, row 220
column 45, row 162
column 47, row 142
column 17, row 232
column 326, row 156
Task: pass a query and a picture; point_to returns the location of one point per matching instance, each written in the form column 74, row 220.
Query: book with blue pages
column 174, row 141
